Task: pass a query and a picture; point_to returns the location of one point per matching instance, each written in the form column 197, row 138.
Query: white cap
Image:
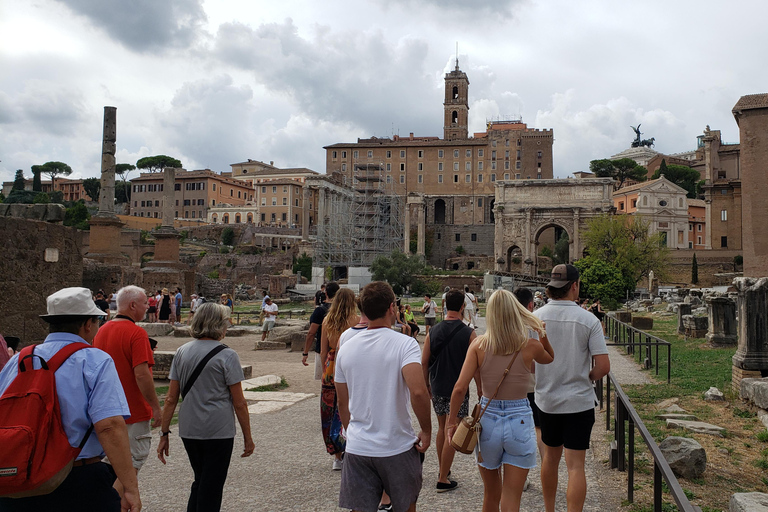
column 73, row 301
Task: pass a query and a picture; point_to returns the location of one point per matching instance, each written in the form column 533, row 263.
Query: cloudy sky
column 217, row 82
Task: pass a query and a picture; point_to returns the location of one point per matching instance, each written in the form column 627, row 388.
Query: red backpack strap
column 63, row 354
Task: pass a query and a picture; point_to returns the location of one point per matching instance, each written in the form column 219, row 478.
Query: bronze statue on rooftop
column 638, row 142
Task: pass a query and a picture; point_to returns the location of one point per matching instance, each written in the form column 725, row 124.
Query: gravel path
column 290, row 470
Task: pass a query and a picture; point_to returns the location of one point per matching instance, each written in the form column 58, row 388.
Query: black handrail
column 624, row 335
column 626, row 413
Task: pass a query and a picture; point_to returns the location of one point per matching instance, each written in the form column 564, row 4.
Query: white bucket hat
column 73, row 301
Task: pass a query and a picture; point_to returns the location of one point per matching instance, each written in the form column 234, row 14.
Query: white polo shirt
column 576, row 335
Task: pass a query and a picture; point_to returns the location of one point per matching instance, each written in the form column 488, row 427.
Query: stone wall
column 710, row 263
column 39, row 258
column 244, row 268
column 211, row 289
column 445, row 242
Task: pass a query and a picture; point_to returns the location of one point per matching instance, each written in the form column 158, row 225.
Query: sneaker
column 388, row 506
column 337, row 463
column 442, row 487
column 526, row 484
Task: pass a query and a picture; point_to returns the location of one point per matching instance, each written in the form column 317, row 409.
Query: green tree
column 123, row 192
column 157, row 163
column 620, row 170
column 303, row 264
column 680, row 175
column 2, row 197
column 694, row 270
column 122, row 170
column 37, row 182
column 227, row 236
column 624, row 242
column 41, row 198
column 77, row 215
column 562, row 247
column 601, row 280
column 53, row 169
column 398, row 269
column 21, row 196
column 92, row 187
column 18, row 180
column 57, row 196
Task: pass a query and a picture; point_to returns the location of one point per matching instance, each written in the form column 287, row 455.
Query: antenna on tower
column 457, row 55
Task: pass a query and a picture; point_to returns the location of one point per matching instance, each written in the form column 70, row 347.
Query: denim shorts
column 507, row 435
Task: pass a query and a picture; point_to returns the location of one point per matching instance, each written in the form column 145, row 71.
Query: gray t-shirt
column 576, row 335
column 207, row 411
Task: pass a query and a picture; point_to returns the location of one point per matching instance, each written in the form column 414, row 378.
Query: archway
column 237, row 218
column 514, row 259
column 250, row 218
column 225, row 218
column 215, row 218
column 439, row 211
column 552, row 245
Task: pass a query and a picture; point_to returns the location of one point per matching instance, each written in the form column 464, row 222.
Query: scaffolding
column 362, row 224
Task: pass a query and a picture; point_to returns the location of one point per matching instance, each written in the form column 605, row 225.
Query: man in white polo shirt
column 564, row 391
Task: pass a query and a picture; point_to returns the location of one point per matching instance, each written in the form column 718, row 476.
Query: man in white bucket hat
column 90, row 395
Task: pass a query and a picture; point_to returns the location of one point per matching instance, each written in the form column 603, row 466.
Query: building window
column 285, row 201
column 467, row 166
column 634, row 203
column 213, row 202
column 284, row 216
column 186, row 214
column 506, row 175
column 343, row 154
column 421, row 178
column 473, row 237
column 723, row 215
column 176, row 214
column 135, row 204
column 193, row 214
column 343, row 167
column 538, row 154
column 439, row 178
column 621, row 205
column 455, row 166
column 440, row 153
column 698, row 228
column 538, row 176
column 238, row 194
column 440, row 166
column 724, row 242
column 493, row 165
column 698, row 240
column 402, row 153
column 645, row 200
column 355, row 154
column 479, row 178
column 479, row 166
column 402, row 167
column 480, row 202
column 389, row 179
column 468, row 178
column 402, row 178
column 480, row 153
column 370, row 153
column 455, row 153
column 493, row 177
column 263, row 201
column 723, row 192
column 455, row 178
column 458, row 237
column 274, row 190
column 519, row 142
column 389, row 154
column 518, row 164
column 177, row 186
column 506, row 165
column 274, row 201
column 263, row 190
column 517, row 176
column 506, row 155
column 389, row 167
column 421, row 166
column 690, row 227
column 285, row 189
column 468, row 153
column 421, row 153
column 493, row 154
column 273, row 217
column 297, row 203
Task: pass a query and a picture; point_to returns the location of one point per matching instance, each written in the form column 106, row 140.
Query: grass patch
column 762, row 436
column 162, row 391
column 271, row 387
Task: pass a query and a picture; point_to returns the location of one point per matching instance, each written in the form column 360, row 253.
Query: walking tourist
column 270, row 315
column 128, row 345
column 210, row 404
column 382, row 367
column 564, row 391
column 503, row 355
column 194, row 302
column 177, row 300
column 470, row 308
column 341, row 316
column 442, row 301
column 165, row 306
column 445, row 349
column 315, row 332
column 152, row 308
column 89, row 394
column 429, row 309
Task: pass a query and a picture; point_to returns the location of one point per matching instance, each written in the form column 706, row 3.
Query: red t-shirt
column 128, row 344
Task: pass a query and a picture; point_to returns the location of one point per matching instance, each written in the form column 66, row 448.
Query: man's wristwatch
column 164, row 434
column 305, row 354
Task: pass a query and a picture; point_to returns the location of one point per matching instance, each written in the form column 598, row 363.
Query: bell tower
column 456, row 104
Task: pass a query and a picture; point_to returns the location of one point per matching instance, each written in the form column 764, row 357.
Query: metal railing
column 626, row 420
column 638, row 342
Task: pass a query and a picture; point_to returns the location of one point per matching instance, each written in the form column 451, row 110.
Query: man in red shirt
column 128, row 344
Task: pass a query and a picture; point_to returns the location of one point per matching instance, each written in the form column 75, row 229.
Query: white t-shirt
column 563, row 386
column 371, row 364
column 469, row 301
column 270, row 308
column 349, row 334
column 430, row 309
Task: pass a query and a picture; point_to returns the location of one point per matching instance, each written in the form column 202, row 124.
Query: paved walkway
column 290, row 470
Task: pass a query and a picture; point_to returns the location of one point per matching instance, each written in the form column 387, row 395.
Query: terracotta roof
column 751, row 101
column 636, row 186
column 696, row 202
column 275, row 171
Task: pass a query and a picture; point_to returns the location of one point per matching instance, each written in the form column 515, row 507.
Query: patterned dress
column 330, row 420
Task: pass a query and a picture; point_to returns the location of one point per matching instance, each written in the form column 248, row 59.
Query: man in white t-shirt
column 564, row 392
column 430, row 312
column 470, row 307
column 378, row 374
column 270, row 314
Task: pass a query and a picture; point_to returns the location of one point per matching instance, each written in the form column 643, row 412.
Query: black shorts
column 535, row 409
column 571, row 430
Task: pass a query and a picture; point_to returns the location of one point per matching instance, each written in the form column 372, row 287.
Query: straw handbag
column 467, row 432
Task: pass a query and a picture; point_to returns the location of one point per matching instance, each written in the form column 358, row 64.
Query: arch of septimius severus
column 525, row 208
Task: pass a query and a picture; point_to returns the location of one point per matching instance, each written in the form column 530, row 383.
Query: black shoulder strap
column 199, row 368
column 448, row 338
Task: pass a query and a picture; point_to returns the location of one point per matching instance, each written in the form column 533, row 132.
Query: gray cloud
column 44, row 107
column 498, row 8
column 144, row 25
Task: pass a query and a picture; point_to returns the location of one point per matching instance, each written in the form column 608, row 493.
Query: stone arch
column 249, row 218
column 440, row 211
column 215, row 218
column 454, row 117
column 514, row 259
column 225, row 218
column 237, row 218
column 455, row 92
column 559, row 228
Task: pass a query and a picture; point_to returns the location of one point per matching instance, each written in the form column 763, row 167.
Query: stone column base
column 722, row 340
column 738, row 374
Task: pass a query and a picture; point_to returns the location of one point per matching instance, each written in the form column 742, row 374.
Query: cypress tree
column 694, row 270
column 37, row 184
column 18, row 181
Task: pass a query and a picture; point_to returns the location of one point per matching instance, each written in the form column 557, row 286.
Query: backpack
column 35, row 454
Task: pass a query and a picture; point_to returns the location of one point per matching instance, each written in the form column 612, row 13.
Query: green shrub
column 214, row 274
column 77, row 215
column 42, row 198
column 223, row 249
column 227, row 236
column 460, row 249
column 202, row 254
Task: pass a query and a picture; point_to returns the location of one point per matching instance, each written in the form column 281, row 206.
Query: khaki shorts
column 140, row 437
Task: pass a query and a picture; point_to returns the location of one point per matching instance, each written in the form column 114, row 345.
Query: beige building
column 660, row 202
column 196, row 191
column 450, row 181
column 73, row 190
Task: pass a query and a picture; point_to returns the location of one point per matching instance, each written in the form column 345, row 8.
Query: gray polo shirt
column 207, row 411
column 576, row 335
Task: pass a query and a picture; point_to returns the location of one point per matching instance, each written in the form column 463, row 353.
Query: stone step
column 677, row 416
column 696, row 426
column 264, row 380
column 270, row 345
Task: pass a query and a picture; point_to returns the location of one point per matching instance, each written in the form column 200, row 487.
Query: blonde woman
column 207, row 415
column 507, row 443
column 341, row 316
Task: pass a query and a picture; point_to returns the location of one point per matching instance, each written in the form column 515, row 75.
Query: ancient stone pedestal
column 105, row 240
column 166, row 249
column 644, row 323
column 624, row 316
column 752, row 351
column 682, row 310
column 722, row 321
column 695, row 326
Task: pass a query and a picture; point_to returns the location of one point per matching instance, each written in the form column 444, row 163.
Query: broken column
column 751, row 356
column 723, row 330
column 104, row 239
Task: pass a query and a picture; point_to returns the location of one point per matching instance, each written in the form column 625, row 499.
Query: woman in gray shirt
column 207, row 414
